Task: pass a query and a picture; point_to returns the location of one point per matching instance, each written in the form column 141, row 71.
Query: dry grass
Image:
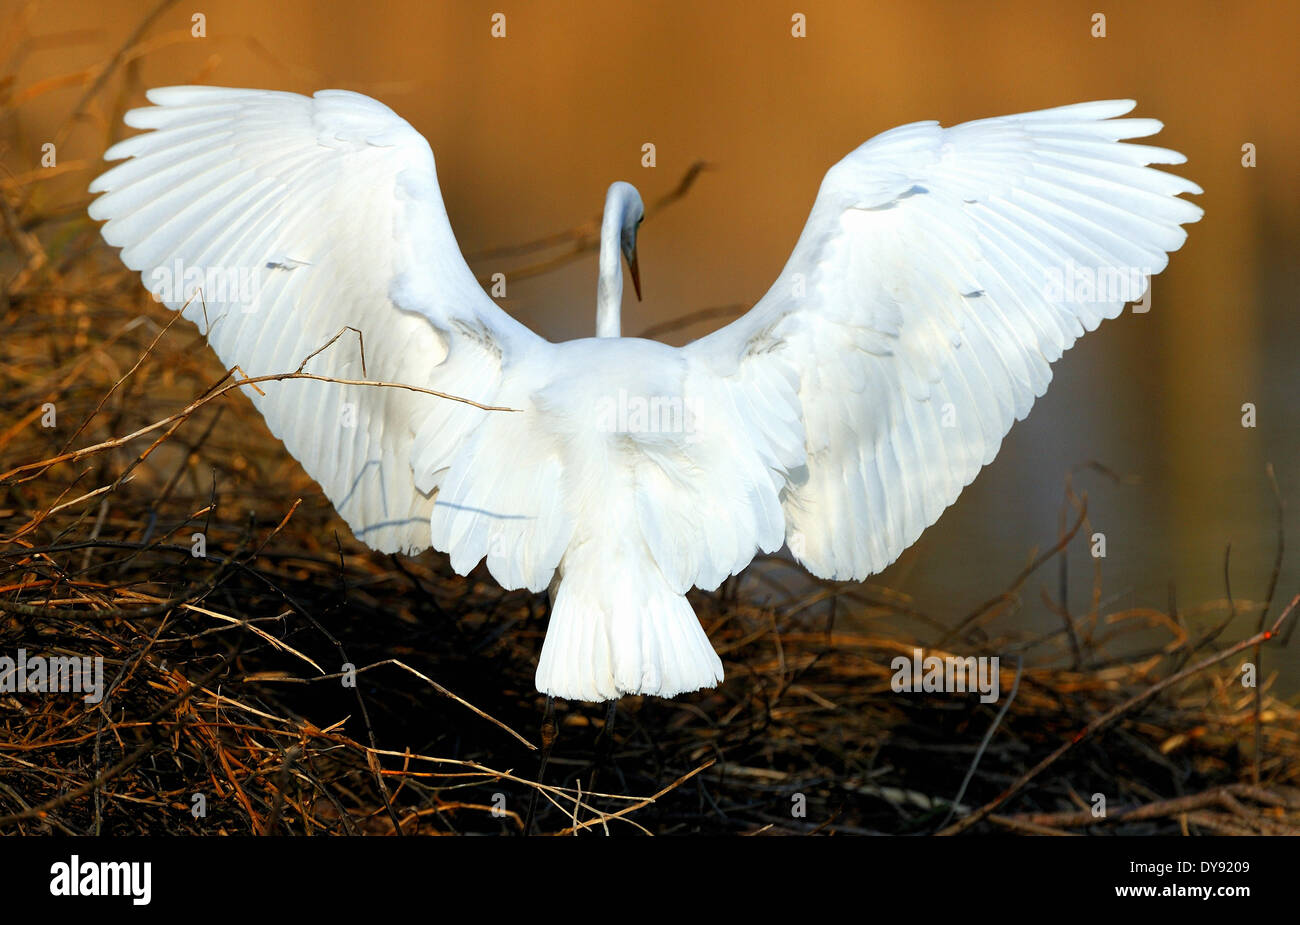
column 223, row 671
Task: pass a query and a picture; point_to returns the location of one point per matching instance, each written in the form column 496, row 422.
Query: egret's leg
column 604, row 743
column 549, row 735
column 605, row 739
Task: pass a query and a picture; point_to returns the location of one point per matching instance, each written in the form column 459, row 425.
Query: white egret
column 940, row 273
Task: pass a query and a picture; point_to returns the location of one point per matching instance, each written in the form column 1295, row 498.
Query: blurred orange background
column 529, row 130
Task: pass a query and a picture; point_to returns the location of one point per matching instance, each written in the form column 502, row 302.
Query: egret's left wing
column 277, row 221
column 940, row 273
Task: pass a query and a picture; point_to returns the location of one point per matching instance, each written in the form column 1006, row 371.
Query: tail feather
column 626, row 634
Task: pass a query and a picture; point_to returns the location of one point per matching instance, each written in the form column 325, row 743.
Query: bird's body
column 619, row 417
column 915, row 321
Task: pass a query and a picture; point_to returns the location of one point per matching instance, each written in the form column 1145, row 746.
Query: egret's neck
column 609, row 288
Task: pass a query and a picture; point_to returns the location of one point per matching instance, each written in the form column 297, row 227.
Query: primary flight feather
column 939, row 275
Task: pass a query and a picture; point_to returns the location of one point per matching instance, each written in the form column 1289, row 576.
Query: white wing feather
column 921, row 308
column 320, row 213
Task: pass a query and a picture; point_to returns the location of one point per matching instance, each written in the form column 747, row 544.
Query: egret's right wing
column 275, row 221
column 941, row 272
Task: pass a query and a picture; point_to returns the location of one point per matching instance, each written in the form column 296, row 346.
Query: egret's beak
column 636, row 275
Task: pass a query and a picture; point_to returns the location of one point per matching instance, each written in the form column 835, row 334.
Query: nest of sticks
column 266, row 673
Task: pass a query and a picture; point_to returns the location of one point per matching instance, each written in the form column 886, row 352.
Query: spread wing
column 275, row 221
column 939, row 275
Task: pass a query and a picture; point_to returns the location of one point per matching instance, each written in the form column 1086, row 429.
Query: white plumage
column 915, row 321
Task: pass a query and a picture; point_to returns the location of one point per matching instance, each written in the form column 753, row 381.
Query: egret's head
column 626, row 204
